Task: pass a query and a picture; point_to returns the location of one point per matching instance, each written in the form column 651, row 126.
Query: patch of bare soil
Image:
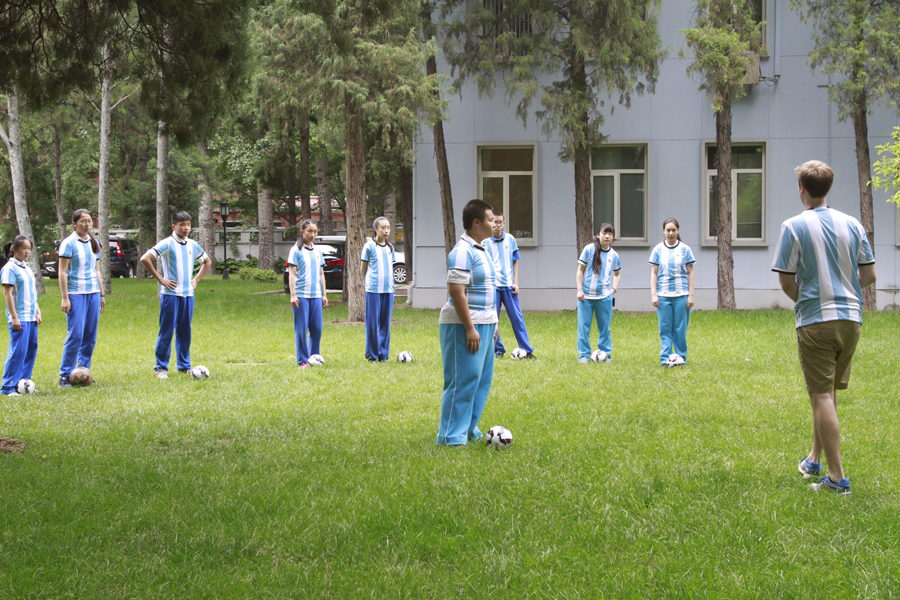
column 11, row 445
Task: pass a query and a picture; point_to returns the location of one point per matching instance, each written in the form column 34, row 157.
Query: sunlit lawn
column 624, row 480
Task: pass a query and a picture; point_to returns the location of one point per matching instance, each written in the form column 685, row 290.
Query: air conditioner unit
column 752, row 75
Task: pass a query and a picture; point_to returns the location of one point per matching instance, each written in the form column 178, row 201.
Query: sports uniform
column 504, row 251
column 23, row 344
column 308, row 288
column 598, row 299
column 672, row 288
column 379, row 298
column 83, row 318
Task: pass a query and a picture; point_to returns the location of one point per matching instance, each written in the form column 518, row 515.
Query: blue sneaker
column 809, row 469
column 842, row 487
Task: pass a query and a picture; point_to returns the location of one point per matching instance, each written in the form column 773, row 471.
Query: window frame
column 479, row 184
column 709, row 240
column 620, row 241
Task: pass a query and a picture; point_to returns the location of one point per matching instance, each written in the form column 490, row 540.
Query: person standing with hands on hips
column 504, row 251
column 672, row 293
column 468, row 323
column 177, row 254
column 824, row 260
column 81, row 287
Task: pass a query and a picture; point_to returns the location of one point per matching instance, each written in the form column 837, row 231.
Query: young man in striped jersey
column 468, row 323
column 823, row 260
column 504, row 252
column 177, row 255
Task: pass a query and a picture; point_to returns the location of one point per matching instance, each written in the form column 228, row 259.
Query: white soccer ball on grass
column 199, row 372
column 519, row 353
column 498, row 437
column 405, row 357
column 316, row 360
column 599, row 356
column 25, row 386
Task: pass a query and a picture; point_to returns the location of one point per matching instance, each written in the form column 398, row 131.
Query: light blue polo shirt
column 503, row 252
column 82, row 272
column 19, row 276
column 309, row 263
column 470, row 264
column 823, row 248
column 673, row 261
column 380, row 273
column 597, row 286
column 177, row 257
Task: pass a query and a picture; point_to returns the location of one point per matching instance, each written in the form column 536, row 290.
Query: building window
column 760, row 9
column 506, row 180
column 748, row 193
column 505, row 19
column 619, row 190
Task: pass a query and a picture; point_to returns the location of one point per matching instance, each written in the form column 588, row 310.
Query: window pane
column 757, row 9
column 713, row 205
column 604, row 201
column 492, row 189
column 631, row 204
column 742, row 157
column 507, row 159
column 749, row 205
column 605, row 158
column 520, row 216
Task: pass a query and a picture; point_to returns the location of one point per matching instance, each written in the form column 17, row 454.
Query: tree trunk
column 17, row 170
column 323, row 182
column 440, row 152
column 103, row 179
column 57, row 169
column 145, row 239
column 355, row 186
column 206, row 220
column 162, row 182
column 864, row 173
column 725, row 275
column 304, row 166
column 292, row 187
column 265, row 205
column 584, row 222
column 406, row 216
column 390, row 208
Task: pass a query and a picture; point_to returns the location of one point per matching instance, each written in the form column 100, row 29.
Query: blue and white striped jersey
column 309, row 263
column 598, row 285
column 470, row 256
column 673, row 262
column 822, row 248
column 82, row 271
column 177, row 257
column 19, row 275
column 503, row 252
column 380, row 273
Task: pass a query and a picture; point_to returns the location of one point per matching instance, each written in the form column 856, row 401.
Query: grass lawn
column 624, row 480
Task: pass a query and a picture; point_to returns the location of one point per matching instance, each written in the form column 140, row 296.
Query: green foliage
column 887, row 167
column 592, row 51
column 723, row 41
column 254, row 274
column 857, row 41
column 624, row 480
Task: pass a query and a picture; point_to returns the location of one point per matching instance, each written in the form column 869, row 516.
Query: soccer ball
column 404, row 356
column 599, row 356
column 499, row 437
column 316, row 360
column 674, row 360
column 81, row 376
column 25, row 386
column 199, row 372
column 518, row 353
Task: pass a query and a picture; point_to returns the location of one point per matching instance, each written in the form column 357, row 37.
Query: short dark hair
column 475, row 209
column 181, row 215
column 816, row 177
column 497, row 213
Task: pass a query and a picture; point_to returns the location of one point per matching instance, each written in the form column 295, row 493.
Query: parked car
column 334, row 248
column 123, row 258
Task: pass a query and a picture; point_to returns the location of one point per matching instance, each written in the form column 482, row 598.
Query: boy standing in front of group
column 505, row 253
column 824, row 261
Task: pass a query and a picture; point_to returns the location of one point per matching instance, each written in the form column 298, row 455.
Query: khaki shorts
column 826, row 351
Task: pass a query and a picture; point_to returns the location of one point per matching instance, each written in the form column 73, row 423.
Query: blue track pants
column 673, row 316
column 23, row 345
column 511, row 302
column 467, row 382
column 81, row 321
column 307, row 328
column 588, row 310
column 175, row 314
column 379, row 308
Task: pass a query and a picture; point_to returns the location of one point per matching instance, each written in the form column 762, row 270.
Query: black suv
column 123, row 258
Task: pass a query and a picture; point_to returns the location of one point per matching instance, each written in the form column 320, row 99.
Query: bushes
column 255, row 274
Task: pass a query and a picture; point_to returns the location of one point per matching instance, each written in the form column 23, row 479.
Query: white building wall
column 792, row 116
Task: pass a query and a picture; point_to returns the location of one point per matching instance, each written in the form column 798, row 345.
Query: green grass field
column 624, row 480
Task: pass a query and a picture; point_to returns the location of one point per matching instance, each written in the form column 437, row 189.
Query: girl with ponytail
column 378, row 273
column 23, row 314
column 596, row 288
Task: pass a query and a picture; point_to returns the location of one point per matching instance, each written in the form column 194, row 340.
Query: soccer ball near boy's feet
column 518, row 353
column 199, row 372
column 498, row 437
column 81, row 376
column 405, row 357
column 316, row 360
column 25, row 386
column 599, row 356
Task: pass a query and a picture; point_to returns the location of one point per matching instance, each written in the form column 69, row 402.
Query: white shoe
column 162, row 374
column 13, row 394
